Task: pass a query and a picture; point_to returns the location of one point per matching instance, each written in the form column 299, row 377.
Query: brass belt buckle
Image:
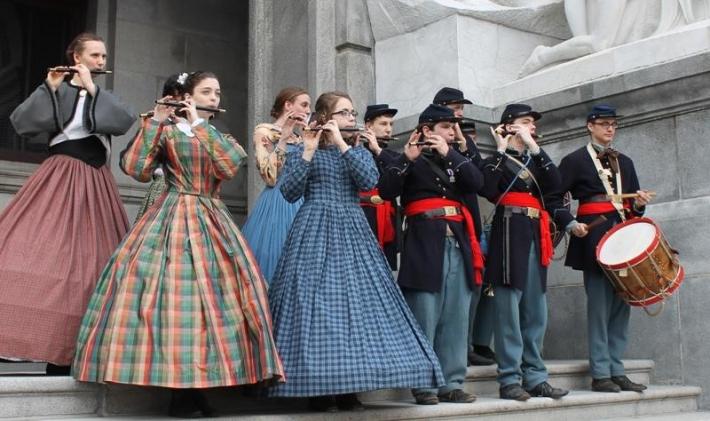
column 376, row 199
column 450, row 211
column 533, row 213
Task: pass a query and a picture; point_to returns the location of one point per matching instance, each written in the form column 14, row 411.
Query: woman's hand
column 335, row 137
column 162, row 112
column 190, row 110
column 85, row 76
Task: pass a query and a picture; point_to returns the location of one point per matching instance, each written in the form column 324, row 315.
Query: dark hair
column 173, row 87
column 325, row 105
column 77, row 45
column 284, row 96
column 194, row 79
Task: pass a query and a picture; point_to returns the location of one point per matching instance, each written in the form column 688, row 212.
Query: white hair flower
column 182, row 78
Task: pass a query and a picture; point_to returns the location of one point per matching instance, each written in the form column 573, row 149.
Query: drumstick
column 597, row 221
column 627, row 195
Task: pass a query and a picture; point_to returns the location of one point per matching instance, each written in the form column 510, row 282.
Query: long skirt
column 267, row 227
column 181, row 304
column 56, row 235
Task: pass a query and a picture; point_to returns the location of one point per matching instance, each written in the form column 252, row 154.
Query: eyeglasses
column 346, row 113
column 607, row 124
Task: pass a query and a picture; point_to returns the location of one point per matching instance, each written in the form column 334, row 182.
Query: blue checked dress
column 340, row 321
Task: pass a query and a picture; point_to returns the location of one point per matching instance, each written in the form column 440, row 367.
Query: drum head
column 627, row 243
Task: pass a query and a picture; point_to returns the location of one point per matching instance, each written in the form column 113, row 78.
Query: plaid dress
column 340, row 322
column 181, row 303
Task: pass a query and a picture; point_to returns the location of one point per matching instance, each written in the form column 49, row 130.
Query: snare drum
column 638, row 261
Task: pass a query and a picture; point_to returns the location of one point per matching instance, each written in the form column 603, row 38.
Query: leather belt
column 597, row 198
column 529, row 212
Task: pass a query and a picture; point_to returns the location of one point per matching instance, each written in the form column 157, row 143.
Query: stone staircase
column 39, row 397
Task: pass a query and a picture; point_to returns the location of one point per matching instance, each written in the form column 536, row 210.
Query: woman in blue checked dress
column 340, row 322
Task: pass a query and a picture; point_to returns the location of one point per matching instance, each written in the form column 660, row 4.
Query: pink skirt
column 56, row 235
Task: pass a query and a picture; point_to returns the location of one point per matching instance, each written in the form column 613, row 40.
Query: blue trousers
column 443, row 317
column 519, row 329
column 480, row 324
column 607, row 326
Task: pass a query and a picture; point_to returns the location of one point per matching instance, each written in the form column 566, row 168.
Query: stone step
column 568, row 374
column 658, row 401
column 676, row 416
column 27, row 396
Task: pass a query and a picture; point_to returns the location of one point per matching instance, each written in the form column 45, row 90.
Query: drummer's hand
column 642, row 199
column 580, row 230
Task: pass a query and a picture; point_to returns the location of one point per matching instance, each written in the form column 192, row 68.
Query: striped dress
column 340, row 321
column 181, row 303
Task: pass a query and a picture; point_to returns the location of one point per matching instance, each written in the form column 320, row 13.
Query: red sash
column 383, row 216
column 595, row 208
column 525, row 200
column 424, row 205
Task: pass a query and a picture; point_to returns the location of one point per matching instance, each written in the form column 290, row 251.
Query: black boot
column 349, row 402
column 58, row 370
column 201, row 401
column 183, row 405
column 323, row 404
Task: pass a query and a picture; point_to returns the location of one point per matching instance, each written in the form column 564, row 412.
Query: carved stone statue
column 600, row 24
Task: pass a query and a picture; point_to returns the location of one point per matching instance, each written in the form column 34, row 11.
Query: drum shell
column 649, row 277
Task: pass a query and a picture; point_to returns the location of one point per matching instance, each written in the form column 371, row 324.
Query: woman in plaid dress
column 173, row 91
column 182, row 303
column 271, row 142
column 340, row 321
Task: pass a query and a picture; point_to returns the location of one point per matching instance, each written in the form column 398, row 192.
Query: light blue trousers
column 480, row 325
column 607, row 326
column 443, row 317
column 519, row 329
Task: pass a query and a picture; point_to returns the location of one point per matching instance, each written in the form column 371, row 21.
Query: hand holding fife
column 336, row 138
column 369, row 135
column 190, row 110
column 438, row 144
column 311, row 138
column 85, row 76
column 162, row 112
column 411, row 149
column 501, row 142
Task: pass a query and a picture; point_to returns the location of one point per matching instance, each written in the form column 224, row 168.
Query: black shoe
column 457, row 396
column 349, row 402
column 182, row 405
column 200, row 399
column 484, row 351
column 514, row 392
column 426, row 398
column 605, row 385
column 478, row 359
column 323, row 404
column 626, row 384
column 545, row 390
column 58, row 370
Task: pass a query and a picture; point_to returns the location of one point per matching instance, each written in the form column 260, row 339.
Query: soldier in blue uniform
column 517, row 178
column 441, row 262
column 481, row 312
column 382, row 215
column 590, row 174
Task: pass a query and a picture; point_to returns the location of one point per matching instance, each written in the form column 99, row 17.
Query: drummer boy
column 596, row 175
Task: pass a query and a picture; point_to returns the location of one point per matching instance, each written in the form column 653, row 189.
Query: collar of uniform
column 514, row 152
